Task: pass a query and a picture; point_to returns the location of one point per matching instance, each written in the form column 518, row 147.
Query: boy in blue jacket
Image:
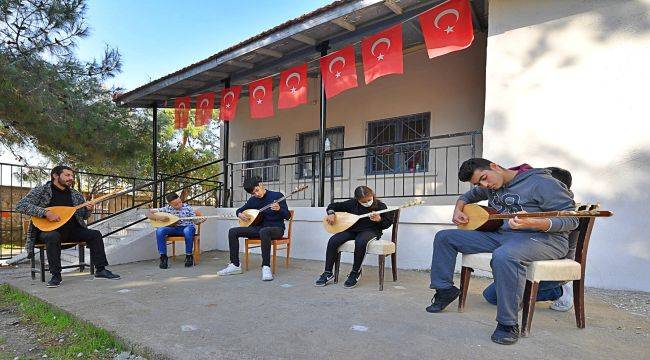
column 271, row 227
column 517, row 242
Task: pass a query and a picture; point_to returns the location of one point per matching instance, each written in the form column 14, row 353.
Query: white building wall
column 567, row 85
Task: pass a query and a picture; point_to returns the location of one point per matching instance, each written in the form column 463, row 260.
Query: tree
column 51, row 100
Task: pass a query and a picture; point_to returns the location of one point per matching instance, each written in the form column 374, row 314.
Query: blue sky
column 157, row 37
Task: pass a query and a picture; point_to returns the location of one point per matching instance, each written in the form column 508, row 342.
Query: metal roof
column 291, row 43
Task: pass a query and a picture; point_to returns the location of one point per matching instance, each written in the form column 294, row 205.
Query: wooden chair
column 382, row 248
column 252, row 243
column 66, row 245
column 197, row 243
column 546, row 270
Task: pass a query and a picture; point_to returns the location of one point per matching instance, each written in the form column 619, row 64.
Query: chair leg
column 530, row 297
column 393, row 264
column 337, row 265
column 287, row 261
column 465, row 275
column 82, row 258
column 197, row 249
column 382, row 266
column 579, row 302
column 174, row 250
column 275, row 251
column 41, row 254
column 246, row 254
column 32, row 262
column 91, row 266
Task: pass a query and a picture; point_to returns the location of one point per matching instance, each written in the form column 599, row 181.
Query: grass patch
column 80, row 337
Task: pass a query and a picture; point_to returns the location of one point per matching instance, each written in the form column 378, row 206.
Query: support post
column 226, row 142
column 154, row 155
column 322, row 47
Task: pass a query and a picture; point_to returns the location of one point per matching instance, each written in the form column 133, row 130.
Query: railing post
column 313, row 180
column 331, row 177
column 473, row 146
column 232, row 185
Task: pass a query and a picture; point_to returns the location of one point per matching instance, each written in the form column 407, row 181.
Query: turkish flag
column 260, row 98
column 204, row 107
column 382, row 54
column 447, row 27
column 228, row 105
column 181, row 112
column 339, row 71
column 293, row 87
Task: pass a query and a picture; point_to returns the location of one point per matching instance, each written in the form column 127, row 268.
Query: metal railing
column 17, row 180
column 425, row 167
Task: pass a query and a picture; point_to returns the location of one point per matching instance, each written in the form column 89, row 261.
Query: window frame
column 398, row 152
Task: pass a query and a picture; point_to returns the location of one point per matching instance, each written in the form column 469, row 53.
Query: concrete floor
column 194, row 314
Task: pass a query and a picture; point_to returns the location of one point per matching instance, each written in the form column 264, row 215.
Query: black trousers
column 53, row 240
column 360, row 243
column 266, row 234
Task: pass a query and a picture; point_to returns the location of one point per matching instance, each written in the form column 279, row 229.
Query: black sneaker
column 352, row 280
column 163, row 262
column 189, row 260
column 506, row 335
column 55, row 281
column 106, row 274
column 324, row 279
column 442, row 299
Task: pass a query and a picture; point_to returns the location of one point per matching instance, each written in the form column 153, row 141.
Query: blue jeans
column 186, row 231
column 548, row 291
column 510, row 250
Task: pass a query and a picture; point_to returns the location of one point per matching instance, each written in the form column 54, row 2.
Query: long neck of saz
column 548, row 214
column 279, row 200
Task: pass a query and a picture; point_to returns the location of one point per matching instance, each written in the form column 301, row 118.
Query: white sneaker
column 267, row 275
column 564, row 302
column 231, row 269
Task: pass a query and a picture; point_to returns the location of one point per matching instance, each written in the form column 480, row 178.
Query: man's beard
column 65, row 185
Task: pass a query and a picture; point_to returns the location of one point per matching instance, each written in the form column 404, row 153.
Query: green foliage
column 58, row 105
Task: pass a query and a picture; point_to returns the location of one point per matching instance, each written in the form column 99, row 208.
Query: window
column 401, row 158
column 268, row 148
column 308, row 142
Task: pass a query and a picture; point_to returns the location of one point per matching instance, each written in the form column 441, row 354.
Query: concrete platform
column 192, row 313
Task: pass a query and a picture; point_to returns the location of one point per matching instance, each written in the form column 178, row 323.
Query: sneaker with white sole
column 564, row 302
column 267, row 274
column 231, row 269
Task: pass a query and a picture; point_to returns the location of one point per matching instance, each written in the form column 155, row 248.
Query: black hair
column 251, row 183
column 58, row 170
column 171, row 197
column 561, row 174
column 469, row 166
column 362, row 191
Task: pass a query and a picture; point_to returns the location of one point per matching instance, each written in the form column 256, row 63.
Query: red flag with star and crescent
column 339, row 71
column 228, row 104
column 293, row 87
column 260, row 98
column 204, row 107
column 382, row 54
column 447, row 27
column 181, row 112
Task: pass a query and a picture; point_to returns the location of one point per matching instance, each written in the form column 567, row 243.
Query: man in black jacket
column 59, row 192
column 361, row 232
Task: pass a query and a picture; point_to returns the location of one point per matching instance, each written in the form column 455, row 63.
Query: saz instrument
column 254, row 216
column 66, row 212
column 166, row 219
column 483, row 218
column 345, row 220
